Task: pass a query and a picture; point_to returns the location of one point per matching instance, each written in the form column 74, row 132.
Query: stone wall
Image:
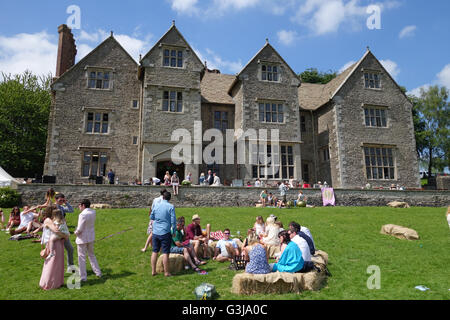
column 141, row 196
column 443, row 182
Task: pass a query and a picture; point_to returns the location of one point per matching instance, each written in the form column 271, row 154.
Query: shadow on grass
column 107, row 275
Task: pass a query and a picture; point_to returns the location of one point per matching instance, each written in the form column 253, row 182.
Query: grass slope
column 350, row 235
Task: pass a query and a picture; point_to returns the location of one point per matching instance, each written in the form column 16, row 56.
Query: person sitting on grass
column 259, row 226
column 196, row 237
column 270, row 237
column 14, row 218
column 26, row 216
column 226, row 249
column 2, row 219
column 178, row 248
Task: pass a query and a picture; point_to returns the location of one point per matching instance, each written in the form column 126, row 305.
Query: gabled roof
column 214, row 88
column 173, row 28
column 312, row 97
column 111, row 38
column 267, row 45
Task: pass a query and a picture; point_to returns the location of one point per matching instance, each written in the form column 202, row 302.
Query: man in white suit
column 85, row 233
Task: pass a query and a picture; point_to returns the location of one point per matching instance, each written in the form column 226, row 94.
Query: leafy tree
column 24, row 111
column 312, row 75
column 431, row 114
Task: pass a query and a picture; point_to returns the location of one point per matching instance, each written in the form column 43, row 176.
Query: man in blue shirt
column 164, row 226
column 111, row 176
column 65, row 207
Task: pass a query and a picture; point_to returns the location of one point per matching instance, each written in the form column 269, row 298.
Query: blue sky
column 413, row 41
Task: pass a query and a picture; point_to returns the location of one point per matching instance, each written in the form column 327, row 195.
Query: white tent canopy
column 5, row 179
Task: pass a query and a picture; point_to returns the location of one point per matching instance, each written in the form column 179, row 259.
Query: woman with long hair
column 14, row 218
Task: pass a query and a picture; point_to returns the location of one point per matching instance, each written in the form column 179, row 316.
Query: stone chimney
column 67, row 50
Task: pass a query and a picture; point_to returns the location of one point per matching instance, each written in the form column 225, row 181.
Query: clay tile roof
column 312, row 96
column 214, row 88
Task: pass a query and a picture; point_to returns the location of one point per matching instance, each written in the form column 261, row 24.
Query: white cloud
column 214, row 61
column 391, row 67
column 329, row 16
column 346, row 66
column 35, row 52
column 287, row 37
column 407, row 31
column 188, row 7
column 443, row 77
column 38, row 52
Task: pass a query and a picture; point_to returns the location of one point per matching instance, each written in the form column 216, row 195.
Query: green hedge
column 9, row 198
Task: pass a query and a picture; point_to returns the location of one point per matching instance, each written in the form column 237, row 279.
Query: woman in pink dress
column 53, row 271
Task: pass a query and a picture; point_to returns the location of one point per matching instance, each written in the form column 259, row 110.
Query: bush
column 186, row 183
column 9, row 198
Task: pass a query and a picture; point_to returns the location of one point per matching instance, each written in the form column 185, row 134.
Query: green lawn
column 350, row 235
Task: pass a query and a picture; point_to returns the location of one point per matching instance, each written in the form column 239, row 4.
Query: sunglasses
column 226, row 233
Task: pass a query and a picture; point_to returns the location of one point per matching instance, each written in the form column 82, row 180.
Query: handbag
column 44, row 253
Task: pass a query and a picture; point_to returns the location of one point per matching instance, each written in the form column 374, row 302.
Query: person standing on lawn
column 65, row 207
column 85, row 239
column 164, row 226
column 150, row 224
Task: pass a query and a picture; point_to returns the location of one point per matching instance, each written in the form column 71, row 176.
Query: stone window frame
column 103, row 111
column 90, row 69
column 283, row 164
column 163, row 99
column 379, row 73
column 380, row 161
column 381, row 109
column 132, row 104
column 171, row 48
column 271, row 64
column 265, row 102
column 92, row 150
column 324, row 154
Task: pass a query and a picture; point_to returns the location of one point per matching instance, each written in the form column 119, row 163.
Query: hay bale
column 398, row 204
column 259, row 205
column 320, row 257
column 399, row 232
column 277, row 282
column 176, row 263
column 211, row 248
column 101, row 206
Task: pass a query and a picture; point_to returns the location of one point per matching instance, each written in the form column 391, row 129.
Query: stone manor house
column 110, row 112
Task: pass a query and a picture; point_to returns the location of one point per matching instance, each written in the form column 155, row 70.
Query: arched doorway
column 168, row 165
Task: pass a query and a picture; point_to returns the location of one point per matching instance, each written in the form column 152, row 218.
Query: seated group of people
column 268, row 200
column 296, row 247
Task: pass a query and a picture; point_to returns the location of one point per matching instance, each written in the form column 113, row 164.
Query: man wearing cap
column 196, row 237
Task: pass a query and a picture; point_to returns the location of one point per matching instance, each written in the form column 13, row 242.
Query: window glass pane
column 289, row 149
column 386, row 173
column 105, row 128
column 105, row 117
column 179, row 96
column 180, row 54
column 93, row 75
column 374, row 173
column 283, row 149
column 180, row 63
column 283, row 160
column 261, row 107
column 392, row 176
column 173, row 62
column 291, row 172
column 255, row 172
column 92, row 83
column 172, row 106
column 224, row 125
column 180, row 106
column 217, row 115
column 173, row 95
column 165, row 105
column 284, row 173
column 98, row 116
column 106, row 76
column 97, row 127
column 275, row 69
column 291, row 160
column 106, row 84
column 268, row 117
column 269, row 76
column 173, row 53
column 264, row 76
column 280, row 118
column 89, row 126
column 274, row 117
column 166, row 62
column 367, row 161
column 224, row 115
column 264, row 68
column 261, row 116
column 269, row 68
column 217, row 124
column 368, row 173
column 99, row 75
column 275, row 77
column 166, row 52
column 99, row 84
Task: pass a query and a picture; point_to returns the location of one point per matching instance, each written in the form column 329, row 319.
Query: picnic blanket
column 19, row 237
